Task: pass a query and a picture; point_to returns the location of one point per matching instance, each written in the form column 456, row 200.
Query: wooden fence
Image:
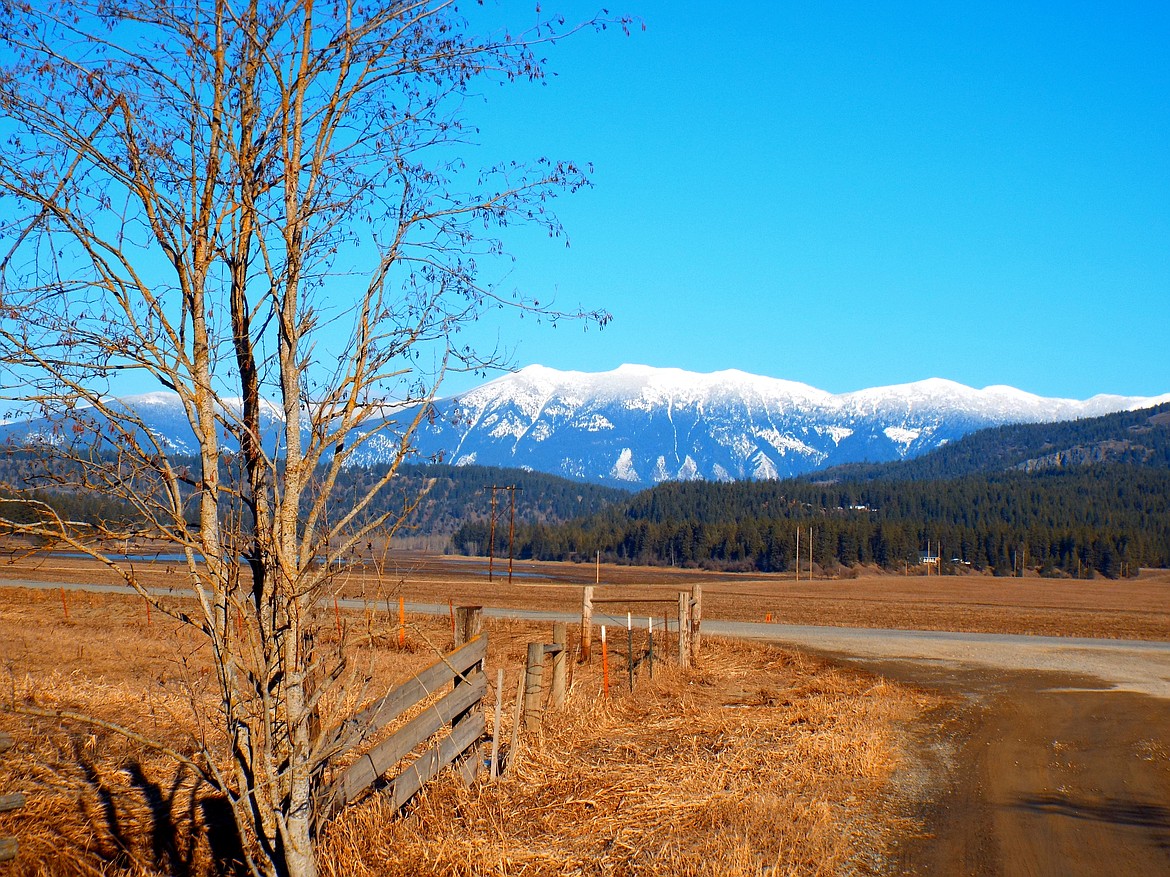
column 534, row 676
column 690, row 619
column 9, row 801
column 459, row 709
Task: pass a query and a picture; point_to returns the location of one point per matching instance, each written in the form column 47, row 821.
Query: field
column 761, row 760
column 1136, row 608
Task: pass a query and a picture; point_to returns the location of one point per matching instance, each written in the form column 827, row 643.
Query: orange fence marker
column 401, row 622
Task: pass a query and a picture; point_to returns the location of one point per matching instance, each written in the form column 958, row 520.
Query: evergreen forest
column 1081, row 498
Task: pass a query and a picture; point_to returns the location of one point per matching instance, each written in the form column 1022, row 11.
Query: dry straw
column 759, row 762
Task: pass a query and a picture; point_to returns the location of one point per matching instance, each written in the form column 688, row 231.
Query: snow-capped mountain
column 637, row 426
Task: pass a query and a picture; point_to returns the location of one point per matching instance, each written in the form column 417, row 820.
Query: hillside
column 1136, row 438
column 1075, row 498
column 448, row 496
column 432, row 500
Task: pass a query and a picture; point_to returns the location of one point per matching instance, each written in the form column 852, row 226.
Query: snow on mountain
column 637, row 425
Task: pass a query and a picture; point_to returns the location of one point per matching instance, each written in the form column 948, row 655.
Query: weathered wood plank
column 8, row 849
column 561, row 639
column 428, row 765
column 533, row 681
column 5, row 741
column 468, row 623
column 469, row 763
column 362, row 725
column 11, row 801
column 365, row 771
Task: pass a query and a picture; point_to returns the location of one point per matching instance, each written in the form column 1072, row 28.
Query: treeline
column 439, row 498
column 427, row 499
column 1106, row 519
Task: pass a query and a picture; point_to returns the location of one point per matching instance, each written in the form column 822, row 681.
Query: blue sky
column 857, row 194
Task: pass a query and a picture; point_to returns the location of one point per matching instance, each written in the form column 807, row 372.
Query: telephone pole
column 512, row 488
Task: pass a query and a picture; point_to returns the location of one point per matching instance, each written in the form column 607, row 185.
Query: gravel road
column 1054, row 758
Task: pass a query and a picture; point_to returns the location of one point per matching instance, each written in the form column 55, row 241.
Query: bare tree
column 264, row 207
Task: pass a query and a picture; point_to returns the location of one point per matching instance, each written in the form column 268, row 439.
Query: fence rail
column 462, row 667
column 9, row 801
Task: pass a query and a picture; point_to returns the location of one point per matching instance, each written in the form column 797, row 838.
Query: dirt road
column 1054, row 757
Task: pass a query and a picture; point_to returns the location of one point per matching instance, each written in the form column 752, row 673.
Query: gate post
column 561, row 639
column 696, row 620
column 586, row 624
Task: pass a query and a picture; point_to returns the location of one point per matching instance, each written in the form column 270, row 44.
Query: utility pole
column 492, row 538
column 810, row 550
column 511, row 529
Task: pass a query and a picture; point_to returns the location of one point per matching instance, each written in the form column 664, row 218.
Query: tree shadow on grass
column 161, row 828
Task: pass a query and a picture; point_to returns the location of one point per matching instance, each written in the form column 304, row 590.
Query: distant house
column 927, row 557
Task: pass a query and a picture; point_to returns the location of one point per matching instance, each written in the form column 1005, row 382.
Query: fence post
column 533, row 675
column 468, row 623
column 401, row 622
column 560, row 638
column 495, row 764
column 684, row 640
column 514, row 745
column 696, row 621
column 586, row 624
column 630, row 648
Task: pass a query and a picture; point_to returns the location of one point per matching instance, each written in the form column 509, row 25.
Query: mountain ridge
column 638, row 425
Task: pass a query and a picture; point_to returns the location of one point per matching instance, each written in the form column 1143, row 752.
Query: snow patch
column 838, row 433
column 901, row 435
column 623, row 469
column 571, row 468
column 763, row 469
column 660, row 472
column 689, row 470
column 508, row 426
column 785, row 443
column 595, row 423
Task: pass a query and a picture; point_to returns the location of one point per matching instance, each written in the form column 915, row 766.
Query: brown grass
column 760, row 762
column 763, row 762
column 1126, row 608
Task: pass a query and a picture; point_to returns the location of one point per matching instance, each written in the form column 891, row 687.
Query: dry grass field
column 760, row 761
column 1137, row 608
